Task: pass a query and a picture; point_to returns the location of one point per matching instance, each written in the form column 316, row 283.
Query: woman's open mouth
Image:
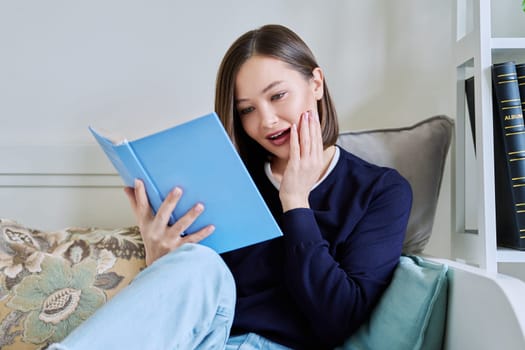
column 279, row 138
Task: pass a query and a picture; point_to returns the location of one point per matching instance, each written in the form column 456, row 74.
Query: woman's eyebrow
column 271, row 85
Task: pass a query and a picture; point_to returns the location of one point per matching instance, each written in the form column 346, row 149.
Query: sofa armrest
column 485, row 310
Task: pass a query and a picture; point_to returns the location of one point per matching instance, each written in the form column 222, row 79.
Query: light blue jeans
column 252, row 341
column 184, row 300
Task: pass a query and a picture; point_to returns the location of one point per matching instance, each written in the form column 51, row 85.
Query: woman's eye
column 278, row 96
column 244, row 111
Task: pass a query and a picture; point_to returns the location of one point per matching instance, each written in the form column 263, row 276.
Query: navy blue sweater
column 313, row 287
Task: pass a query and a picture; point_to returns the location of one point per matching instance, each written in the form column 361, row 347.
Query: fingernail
column 137, row 183
column 177, row 190
column 311, row 114
column 198, row 207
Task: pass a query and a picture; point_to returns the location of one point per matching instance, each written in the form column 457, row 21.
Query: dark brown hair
column 278, row 42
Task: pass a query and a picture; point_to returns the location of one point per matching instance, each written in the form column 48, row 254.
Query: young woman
column 343, row 221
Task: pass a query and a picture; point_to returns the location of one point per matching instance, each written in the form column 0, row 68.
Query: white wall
column 507, row 18
column 139, row 66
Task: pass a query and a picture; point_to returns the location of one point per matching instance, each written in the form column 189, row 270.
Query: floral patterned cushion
column 52, row 281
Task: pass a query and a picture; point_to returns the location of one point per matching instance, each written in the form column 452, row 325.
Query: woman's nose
column 268, row 117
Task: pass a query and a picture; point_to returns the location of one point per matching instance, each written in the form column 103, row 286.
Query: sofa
column 52, row 280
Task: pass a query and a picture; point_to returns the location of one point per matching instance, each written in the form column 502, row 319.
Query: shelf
column 476, row 50
column 507, row 43
column 508, row 49
column 501, row 47
column 510, row 255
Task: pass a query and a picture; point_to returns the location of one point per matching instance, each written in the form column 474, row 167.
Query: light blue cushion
column 411, row 314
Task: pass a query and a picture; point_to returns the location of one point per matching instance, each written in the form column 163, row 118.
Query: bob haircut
column 281, row 43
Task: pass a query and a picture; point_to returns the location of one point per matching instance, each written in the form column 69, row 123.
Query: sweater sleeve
column 336, row 292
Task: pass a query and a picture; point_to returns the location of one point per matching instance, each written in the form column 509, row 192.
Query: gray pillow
column 418, row 152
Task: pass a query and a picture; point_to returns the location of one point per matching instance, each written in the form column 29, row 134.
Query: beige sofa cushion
column 52, row 281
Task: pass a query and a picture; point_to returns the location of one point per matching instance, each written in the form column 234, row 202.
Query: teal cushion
column 411, row 314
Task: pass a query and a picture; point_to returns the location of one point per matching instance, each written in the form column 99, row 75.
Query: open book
column 199, row 157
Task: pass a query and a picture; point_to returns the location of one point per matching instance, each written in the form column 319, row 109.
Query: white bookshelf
column 477, row 47
column 507, row 44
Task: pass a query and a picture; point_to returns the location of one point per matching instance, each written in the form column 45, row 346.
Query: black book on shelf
column 469, row 95
column 509, row 157
column 520, row 71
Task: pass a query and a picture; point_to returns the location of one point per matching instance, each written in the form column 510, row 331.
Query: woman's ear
column 317, row 83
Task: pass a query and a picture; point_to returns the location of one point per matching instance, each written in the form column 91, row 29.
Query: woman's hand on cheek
column 159, row 238
column 305, row 163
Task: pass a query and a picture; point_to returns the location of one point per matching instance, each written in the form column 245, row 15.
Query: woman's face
column 270, row 96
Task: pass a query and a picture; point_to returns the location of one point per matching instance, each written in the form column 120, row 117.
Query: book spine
column 112, row 153
column 509, row 147
column 135, row 170
column 520, row 71
column 469, row 95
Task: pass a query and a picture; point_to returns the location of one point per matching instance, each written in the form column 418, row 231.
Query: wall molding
column 56, row 166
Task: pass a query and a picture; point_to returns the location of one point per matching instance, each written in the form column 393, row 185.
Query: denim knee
column 197, row 258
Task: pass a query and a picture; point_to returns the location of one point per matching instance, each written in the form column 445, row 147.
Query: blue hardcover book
column 199, row 157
